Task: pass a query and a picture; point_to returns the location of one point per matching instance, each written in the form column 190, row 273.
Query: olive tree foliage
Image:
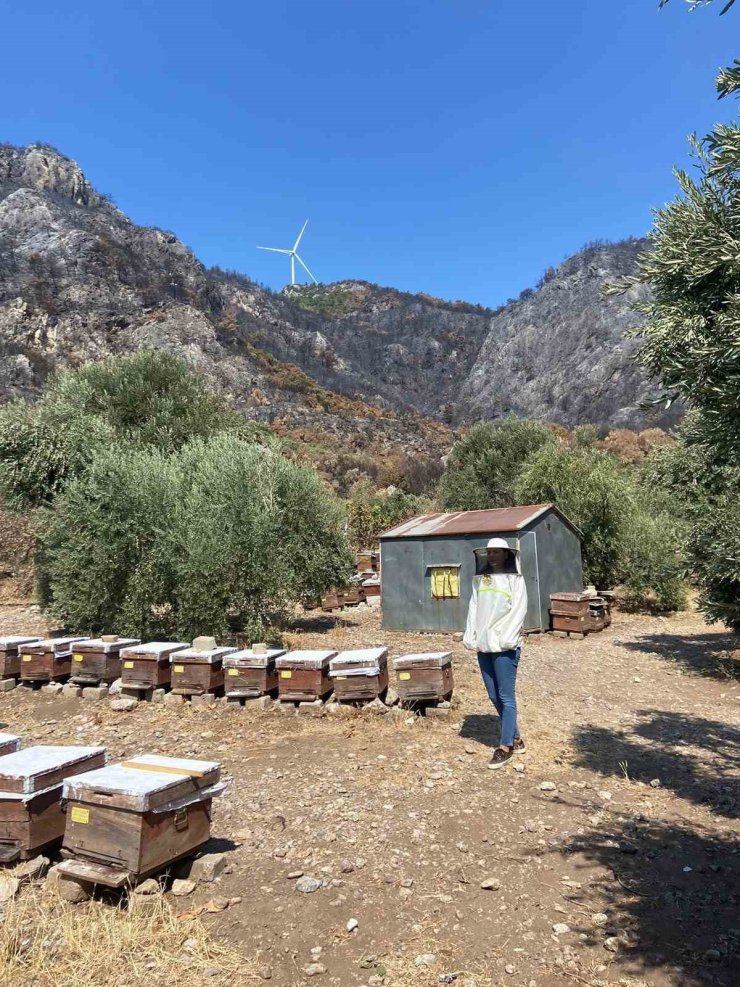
column 217, row 535
column 145, row 399
column 482, row 468
column 630, row 534
column 691, row 345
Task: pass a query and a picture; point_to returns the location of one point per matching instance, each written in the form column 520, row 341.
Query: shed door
column 531, row 573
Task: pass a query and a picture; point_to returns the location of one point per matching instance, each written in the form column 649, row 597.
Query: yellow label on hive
column 286, row 674
column 233, row 671
column 27, row 657
column 404, row 675
column 78, row 657
column 342, row 677
column 179, row 668
column 128, row 664
column 80, row 815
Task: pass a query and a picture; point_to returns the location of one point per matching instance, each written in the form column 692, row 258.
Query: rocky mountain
column 349, row 369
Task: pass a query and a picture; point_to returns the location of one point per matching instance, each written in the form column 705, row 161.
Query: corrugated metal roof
column 471, row 522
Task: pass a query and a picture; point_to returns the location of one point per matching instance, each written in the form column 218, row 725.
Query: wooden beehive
column 303, row 676
column 578, row 612
column 250, row 673
column 424, row 677
column 147, row 666
column 31, row 815
column 129, row 820
column 197, row 672
column 48, row 660
column 10, row 659
column 99, row 659
column 9, row 744
column 360, row 675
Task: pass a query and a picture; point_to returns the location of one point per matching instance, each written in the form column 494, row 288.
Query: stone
column 95, row 692
column 171, row 699
column 391, row 696
column 150, row 886
column 208, row 867
column 7, row 685
column 264, row 702
column 346, row 867
column 352, row 924
column 314, row 969
column 606, row 796
column 599, row 918
column 307, row 885
column 548, row 786
column 458, row 636
column 612, row 944
column 520, row 768
column 206, row 699
column 294, row 875
column 490, row 884
column 510, row 969
column 713, row 955
column 576, row 635
column 559, row 633
column 32, row 869
column 52, row 688
column 115, row 687
column 71, row 890
column 437, row 712
column 655, row 783
column 158, row 695
column 123, row 705
column 560, row 929
column 264, row 972
column 182, row 887
column 376, row 705
column 70, row 689
column 425, row 959
column 8, row 888
column 310, row 709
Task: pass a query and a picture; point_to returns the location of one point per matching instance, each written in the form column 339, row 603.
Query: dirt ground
column 634, row 855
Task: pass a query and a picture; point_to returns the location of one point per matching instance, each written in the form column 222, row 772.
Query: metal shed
column 427, row 564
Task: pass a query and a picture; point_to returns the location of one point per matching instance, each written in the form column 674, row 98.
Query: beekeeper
column 495, row 617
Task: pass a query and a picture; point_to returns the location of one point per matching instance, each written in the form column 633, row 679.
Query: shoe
column 519, row 746
column 500, row 758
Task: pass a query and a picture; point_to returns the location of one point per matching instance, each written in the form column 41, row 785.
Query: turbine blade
column 303, row 230
column 275, row 250
column 306, row 269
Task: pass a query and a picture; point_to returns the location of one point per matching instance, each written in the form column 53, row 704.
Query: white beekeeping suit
column 497, row 610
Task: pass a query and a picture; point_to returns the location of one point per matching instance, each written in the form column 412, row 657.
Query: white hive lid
column 430, row 659
column 306, row 659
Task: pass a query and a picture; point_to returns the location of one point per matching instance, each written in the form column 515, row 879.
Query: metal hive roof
column 500, row 520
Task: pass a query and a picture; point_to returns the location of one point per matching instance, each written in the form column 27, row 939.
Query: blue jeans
column 498, row 669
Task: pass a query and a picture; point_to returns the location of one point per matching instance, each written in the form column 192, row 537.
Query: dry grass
column 46, row 942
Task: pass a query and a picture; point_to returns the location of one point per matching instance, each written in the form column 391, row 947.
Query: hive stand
column 147, row 667
column 360, row 676
column 130, row 820
column 424, row 680
column 31, row 814
column 47, row 661
column 251, row 673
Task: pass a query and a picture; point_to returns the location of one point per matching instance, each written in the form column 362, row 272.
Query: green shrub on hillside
column 146, row 399
column 221, row 533
column 483, row 467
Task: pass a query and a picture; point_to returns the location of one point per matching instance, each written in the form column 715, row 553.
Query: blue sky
column 458, row 147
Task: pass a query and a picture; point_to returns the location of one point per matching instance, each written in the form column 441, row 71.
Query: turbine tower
column 293, row 254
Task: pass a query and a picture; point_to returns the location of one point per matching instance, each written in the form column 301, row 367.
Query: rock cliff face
column 351, row 363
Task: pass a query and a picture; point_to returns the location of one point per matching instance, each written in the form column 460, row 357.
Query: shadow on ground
column 696, row 758
column 705, row 654
column 673, row 901
column 483, row 729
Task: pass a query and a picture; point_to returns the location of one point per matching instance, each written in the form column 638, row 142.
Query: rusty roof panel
column 468, row 522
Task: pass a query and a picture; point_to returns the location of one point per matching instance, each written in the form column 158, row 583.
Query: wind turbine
column 293, row 254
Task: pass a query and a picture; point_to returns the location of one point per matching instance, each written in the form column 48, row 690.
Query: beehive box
column 129, row 820
column 9, row 744
column 303, row 676
column 31, row 816
column 99, row 659
column 147, row 666
column 45, row 661
column 575, row 604
column 424, row 677
column 250, row 673
column 359, row 675
column 197, row 672
column 10, row 660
